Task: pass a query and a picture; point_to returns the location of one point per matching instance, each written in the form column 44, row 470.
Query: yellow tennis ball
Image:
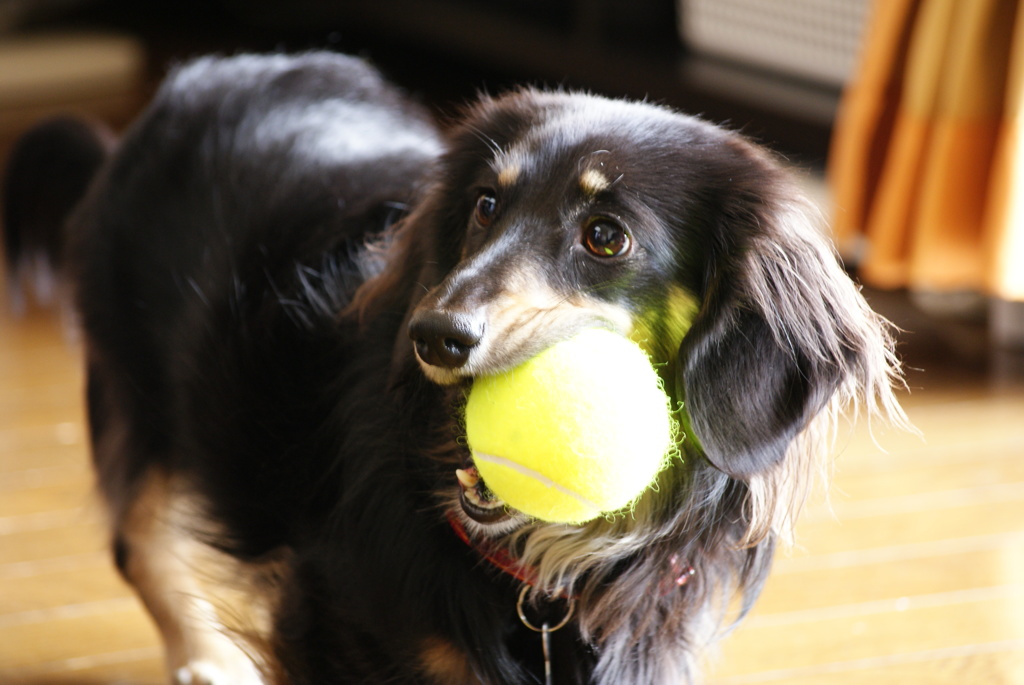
column 580, row 430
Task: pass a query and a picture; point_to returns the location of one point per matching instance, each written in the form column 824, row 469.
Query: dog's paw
column 207, row 673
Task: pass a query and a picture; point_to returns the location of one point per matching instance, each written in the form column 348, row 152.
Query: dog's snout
column 444, row 339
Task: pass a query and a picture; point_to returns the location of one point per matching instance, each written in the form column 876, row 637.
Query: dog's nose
column 444, row 339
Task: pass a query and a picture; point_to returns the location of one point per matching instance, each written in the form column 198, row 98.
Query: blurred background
column 782, row 80
column 777, row 71
column 900, row 118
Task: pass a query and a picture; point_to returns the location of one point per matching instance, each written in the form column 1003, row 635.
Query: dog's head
column 553, row 212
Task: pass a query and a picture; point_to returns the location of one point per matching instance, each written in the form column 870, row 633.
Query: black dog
column 287, row 278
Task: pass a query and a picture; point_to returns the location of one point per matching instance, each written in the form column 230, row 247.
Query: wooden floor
column 918, row 577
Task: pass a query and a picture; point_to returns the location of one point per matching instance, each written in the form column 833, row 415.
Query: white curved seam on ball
column 535, row 475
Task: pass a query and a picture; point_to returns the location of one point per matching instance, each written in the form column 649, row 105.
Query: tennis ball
column 580, row 430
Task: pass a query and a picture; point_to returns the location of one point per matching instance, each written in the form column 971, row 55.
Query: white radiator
column 811, row 39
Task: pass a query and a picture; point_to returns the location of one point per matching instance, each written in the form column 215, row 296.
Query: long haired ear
column 782, row 333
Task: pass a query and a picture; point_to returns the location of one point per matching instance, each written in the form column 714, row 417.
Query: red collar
column 500, row 558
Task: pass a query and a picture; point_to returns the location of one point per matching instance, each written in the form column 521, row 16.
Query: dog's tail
column 48, row 172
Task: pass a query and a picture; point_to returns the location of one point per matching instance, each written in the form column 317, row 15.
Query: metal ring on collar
column 571, row 603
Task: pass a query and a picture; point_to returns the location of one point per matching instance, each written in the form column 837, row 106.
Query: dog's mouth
column 476, row 499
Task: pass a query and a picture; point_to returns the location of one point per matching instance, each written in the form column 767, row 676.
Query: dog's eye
column 486, row 208
column 605, row 238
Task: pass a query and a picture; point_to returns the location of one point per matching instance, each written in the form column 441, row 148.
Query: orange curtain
column 927, row 161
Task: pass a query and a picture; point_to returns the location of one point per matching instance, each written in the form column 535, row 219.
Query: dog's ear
column 781, row 329
column 746, row 395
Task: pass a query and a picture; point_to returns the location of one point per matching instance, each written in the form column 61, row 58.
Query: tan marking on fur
column 208, row 606
column 444, row 663
column 509, row 174
column 594, row 182
column 523, row 320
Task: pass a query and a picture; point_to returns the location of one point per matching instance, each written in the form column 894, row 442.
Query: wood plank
column 142, row 666
column 960, row 519
column 100, row 627
column 60, row 496
column 19, row 443
column 950, row 468
column 847, row 633
column 72, row 472
column 998, row 663
column 794, row 590
column 48, row 588
column 34, row 546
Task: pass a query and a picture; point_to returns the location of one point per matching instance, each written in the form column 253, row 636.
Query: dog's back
column 239, row 198
column 209, row 260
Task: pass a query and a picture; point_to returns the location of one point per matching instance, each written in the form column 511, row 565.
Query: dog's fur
column 277, row 352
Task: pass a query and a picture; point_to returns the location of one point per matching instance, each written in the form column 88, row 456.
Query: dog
column 287, row 275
